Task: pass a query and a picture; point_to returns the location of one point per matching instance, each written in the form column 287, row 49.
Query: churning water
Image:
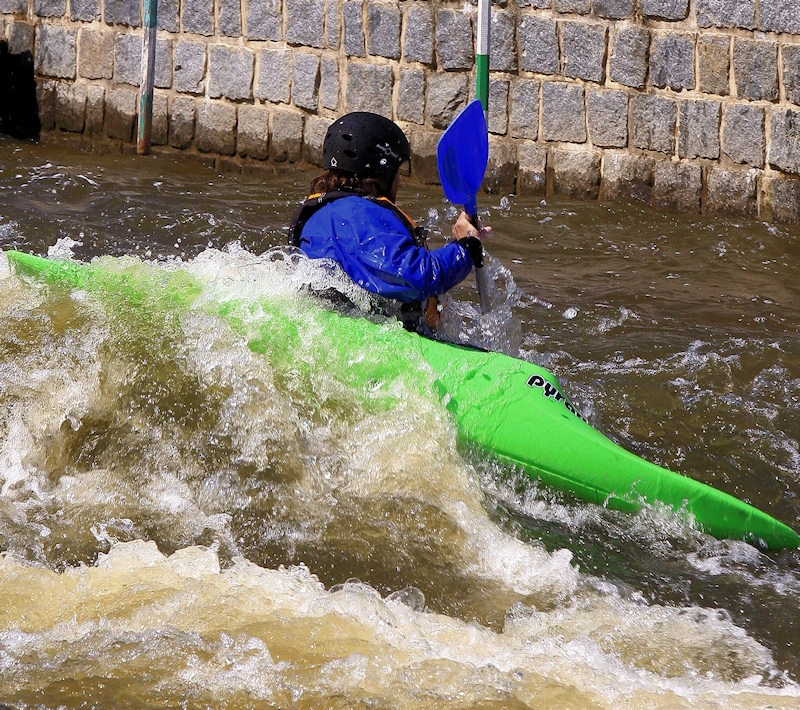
column 185, row 523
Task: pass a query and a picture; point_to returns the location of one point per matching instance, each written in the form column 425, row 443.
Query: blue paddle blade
column 462, row 155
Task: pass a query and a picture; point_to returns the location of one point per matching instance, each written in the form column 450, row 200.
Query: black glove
column 474, row 249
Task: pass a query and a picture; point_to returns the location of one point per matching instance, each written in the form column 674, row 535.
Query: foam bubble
column 63, row 248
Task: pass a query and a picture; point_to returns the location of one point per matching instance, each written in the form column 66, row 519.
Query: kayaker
column 351, row 218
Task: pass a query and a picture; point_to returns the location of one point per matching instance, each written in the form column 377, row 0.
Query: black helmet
column 366, row 145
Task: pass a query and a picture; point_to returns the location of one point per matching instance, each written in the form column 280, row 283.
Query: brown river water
column 181, row 528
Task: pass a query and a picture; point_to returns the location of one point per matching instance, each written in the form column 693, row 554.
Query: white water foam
column 190, row 629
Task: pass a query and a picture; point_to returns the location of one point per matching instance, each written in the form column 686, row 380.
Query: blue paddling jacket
column 377, row 246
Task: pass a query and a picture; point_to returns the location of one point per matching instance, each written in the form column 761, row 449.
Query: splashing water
column 185, row 521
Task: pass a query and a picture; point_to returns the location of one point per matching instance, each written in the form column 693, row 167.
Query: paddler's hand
column 464, row 228
column 471, row 237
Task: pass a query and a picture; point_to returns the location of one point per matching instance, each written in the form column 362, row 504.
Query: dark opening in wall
column 19, row 113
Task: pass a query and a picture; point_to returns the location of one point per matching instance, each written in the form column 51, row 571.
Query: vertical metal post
column 482, row 59
column 148, row 77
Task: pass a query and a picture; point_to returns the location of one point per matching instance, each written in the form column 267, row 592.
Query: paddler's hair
column 337, row 180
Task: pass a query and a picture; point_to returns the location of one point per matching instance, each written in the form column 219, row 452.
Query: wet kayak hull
column 510, row 409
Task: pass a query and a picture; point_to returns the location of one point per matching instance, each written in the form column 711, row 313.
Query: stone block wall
column 689, row 105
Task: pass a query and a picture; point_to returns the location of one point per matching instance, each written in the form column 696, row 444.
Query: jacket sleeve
column 402, row 270
column 413, row 273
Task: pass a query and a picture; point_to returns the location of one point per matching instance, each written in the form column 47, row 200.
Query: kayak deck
column 511, row 409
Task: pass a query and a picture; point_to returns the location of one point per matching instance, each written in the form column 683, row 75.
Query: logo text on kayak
column 550, row 391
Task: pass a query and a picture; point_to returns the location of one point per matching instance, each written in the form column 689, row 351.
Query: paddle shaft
column 481, row 280
column 482, row 92
column 482, row 58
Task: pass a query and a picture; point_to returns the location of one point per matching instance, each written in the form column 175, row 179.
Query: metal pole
column 148, row 77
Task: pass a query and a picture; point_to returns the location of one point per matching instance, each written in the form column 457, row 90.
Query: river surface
column 183, row 525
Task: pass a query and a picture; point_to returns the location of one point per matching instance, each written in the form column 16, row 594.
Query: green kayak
column 508, row 408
